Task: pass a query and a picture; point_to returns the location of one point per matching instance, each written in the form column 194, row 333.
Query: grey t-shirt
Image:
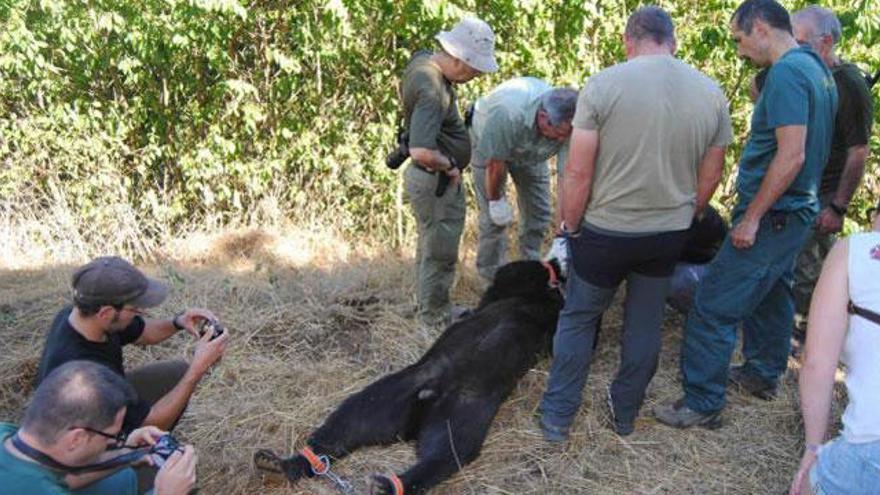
column 656, row 117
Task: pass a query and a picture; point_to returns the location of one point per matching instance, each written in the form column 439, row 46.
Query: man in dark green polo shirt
column 439, row 144
column 819, row 28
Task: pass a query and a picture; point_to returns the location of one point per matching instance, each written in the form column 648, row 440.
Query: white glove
column 500, row 212
column 559, row 250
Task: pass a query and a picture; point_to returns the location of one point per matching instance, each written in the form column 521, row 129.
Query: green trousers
column 532, row 183
column 806, row 272
column 440, row 223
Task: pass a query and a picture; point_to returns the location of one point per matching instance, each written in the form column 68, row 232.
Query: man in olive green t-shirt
column 820, row 29
column 439, row 144
column 646, row 155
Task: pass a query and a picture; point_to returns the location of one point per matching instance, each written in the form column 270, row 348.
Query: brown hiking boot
column 678, row 415
column 747, row 382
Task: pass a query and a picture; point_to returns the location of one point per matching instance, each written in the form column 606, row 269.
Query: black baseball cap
column 113, row 281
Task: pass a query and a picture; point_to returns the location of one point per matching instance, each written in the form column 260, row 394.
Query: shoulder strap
column 864, row 313
column 46, row 460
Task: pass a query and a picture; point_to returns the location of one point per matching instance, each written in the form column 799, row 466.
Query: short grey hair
column 559, row 103
column 76, row 394
column 650, row 22
column 823, row 21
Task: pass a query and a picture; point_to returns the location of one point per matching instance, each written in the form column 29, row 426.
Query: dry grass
column 316, row 318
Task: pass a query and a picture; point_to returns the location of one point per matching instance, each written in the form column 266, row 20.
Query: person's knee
column 177, row 368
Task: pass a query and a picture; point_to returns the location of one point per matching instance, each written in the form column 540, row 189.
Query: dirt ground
column 315, row 318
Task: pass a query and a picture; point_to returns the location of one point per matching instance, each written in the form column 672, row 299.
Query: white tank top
column 861, row 352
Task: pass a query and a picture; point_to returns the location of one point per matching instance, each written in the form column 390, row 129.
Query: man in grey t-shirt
column 646, row 155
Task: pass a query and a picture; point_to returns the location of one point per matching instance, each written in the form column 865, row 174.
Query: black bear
column 447, row 400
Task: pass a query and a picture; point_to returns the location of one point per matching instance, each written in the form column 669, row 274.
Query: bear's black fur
column 454, row 391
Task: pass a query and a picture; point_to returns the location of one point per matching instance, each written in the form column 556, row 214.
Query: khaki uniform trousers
column 533, row 200
column 440, row 224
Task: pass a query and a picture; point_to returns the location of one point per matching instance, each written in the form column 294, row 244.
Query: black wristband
column 174, row 322
column 840, row 210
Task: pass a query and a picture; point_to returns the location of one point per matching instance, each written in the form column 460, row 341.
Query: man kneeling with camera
column 71, row 440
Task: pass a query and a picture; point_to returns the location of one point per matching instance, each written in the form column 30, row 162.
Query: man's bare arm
column 578, row 179
column 429, row 158
column 784, row 168
column 495, row 172
column 709, row 176
column 851, row 177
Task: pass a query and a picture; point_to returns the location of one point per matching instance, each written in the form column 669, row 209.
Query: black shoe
column 622, row 428
column 747, row 382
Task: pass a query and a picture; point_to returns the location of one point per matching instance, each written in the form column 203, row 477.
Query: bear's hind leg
column 452, row 435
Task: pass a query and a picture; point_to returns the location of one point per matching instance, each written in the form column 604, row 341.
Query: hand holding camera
column 177, row 476
column 213, row 338
column 190, row 320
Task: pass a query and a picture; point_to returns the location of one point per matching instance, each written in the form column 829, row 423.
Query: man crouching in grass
column 110, row 297
column 73, row 421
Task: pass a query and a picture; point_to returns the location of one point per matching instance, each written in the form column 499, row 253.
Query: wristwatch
column 174, row 322
column 567, row 233
column 840, row 210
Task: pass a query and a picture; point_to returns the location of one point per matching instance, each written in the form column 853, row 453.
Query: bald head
column 76, row 394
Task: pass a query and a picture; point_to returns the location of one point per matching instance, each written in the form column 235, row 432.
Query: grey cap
column 471, row 41
column 113, row 281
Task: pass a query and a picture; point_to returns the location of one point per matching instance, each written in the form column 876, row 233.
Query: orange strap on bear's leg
column 319, row 467
column 398, row 485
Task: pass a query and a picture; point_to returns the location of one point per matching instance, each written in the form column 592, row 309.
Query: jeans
column 844, row 468
column 749, row 286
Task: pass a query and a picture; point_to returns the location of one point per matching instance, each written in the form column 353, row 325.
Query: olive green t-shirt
column 852, row 125
column 656, row 117
column 430, row 109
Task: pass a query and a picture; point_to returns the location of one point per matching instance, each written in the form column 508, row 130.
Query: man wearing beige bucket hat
column 440, row 148
column 110, row 299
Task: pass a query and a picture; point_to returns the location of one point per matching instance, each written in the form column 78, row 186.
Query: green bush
column 189, row 109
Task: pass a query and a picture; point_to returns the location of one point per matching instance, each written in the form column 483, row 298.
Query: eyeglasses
column 118, row 439
column 136, row 311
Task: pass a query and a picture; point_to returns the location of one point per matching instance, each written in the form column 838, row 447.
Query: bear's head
column 527, row 279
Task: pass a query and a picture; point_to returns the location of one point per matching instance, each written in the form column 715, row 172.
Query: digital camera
column 162, row 450
column 399, row 155
column 213, row 326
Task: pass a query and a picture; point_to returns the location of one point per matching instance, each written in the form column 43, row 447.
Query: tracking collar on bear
column 553, row 280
